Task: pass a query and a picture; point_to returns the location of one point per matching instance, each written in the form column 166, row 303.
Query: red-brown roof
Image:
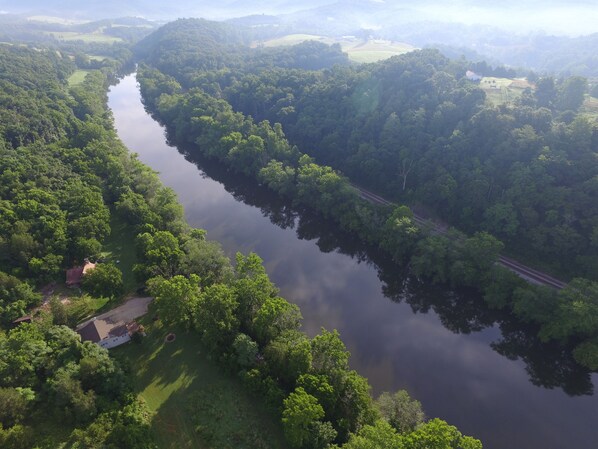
column 74, row 275
column 119, row 331
column 95, row 330
column 133, row 327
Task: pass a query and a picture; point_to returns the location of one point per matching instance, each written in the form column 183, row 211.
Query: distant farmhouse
column 106, row 334
column 472, row 76
column 74, row 275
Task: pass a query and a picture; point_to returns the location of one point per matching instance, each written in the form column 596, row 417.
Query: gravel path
column 133, row 308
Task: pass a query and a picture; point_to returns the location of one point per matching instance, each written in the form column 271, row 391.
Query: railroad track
column 529, row 274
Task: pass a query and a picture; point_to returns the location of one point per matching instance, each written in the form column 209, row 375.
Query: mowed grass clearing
column 85, row 37
column 119, row 248
column 358, row 50
column 589, row 108
column 195, row 403
column 58, row 20
column 77, row 77
column 375, row 50
column 503, row 90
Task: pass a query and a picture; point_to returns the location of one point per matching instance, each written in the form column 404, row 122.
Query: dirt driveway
column 133, row 308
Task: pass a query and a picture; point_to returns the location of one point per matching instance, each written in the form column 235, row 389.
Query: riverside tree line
column 412, row 126
column 65, row 177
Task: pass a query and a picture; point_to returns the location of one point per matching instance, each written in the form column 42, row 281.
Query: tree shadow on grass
column 196, row 403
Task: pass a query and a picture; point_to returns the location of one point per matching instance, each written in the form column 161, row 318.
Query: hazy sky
column 573, row 17
column 560, row 17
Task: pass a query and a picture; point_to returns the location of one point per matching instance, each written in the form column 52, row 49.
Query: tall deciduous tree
column 300, row 414
column 105, row 279
column 215, row 317
column 401, row 412
column 176, row 298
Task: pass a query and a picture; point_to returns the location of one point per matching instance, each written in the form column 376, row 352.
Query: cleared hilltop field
column 359, row 50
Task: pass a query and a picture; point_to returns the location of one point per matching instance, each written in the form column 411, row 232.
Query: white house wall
column 113, row 342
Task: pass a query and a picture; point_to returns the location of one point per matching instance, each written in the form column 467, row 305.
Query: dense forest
column 521, row 172
column 63, row 169
column 66, row 181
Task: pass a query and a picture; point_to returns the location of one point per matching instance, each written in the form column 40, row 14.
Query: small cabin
column 472, row 76
column 74, row 275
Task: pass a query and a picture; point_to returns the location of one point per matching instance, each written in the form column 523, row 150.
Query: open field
column 375, row 50
column 503, row 90
column 119, row 248
column 589, row 108
column 195, row 404
column 358, row 50
column 58, row 20
column 77, row 77
column 294, row 39
column 85, row 37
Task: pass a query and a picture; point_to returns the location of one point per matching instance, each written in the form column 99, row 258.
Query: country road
column 529, row 274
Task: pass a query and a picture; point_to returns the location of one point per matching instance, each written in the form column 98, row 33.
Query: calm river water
column 467, row 365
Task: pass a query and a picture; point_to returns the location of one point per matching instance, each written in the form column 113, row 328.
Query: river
column 470, row 366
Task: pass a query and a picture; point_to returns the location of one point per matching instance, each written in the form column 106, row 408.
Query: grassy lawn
column 97, row 57
column 358, row 50
column 77, row 77
column 502, row 90
column 119, row 248
column 370, row 56
column 52, row 19
column 500, row 96
column 590, row 108
column 374, row 50
column 195, row 404
column 294, row 39
column 85, row 37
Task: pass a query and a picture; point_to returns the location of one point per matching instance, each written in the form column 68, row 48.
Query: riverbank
column 452, row 369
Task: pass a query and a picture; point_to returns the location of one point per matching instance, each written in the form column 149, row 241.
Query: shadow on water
column 462, row 311
column 477, row 368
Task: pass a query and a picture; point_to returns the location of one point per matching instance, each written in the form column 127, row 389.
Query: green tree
column 14, row 403
column 215, row 317
column 431, row 258
column 16, row 437
column 300, row 413
column 355, row 407
column 206, row 259
column 105, row 279
column 400, row 234
column 571, row 93
column 288, row 357
column 380, row 435
column 246, row 350
column 58, row 310
column 437, row 434
column 160, row 253
column 176, row 298
column 318, row 386
column 329, row 353
column 586, row 354
column 401, row 412
column 576, row 313
column 275, row 316
column 278, row 177
column 69, row 398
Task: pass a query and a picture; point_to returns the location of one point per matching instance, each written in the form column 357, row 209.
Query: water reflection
column 549, row 365
column 467, row 364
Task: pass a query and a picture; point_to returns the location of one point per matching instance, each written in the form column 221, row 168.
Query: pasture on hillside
column 359, row 50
